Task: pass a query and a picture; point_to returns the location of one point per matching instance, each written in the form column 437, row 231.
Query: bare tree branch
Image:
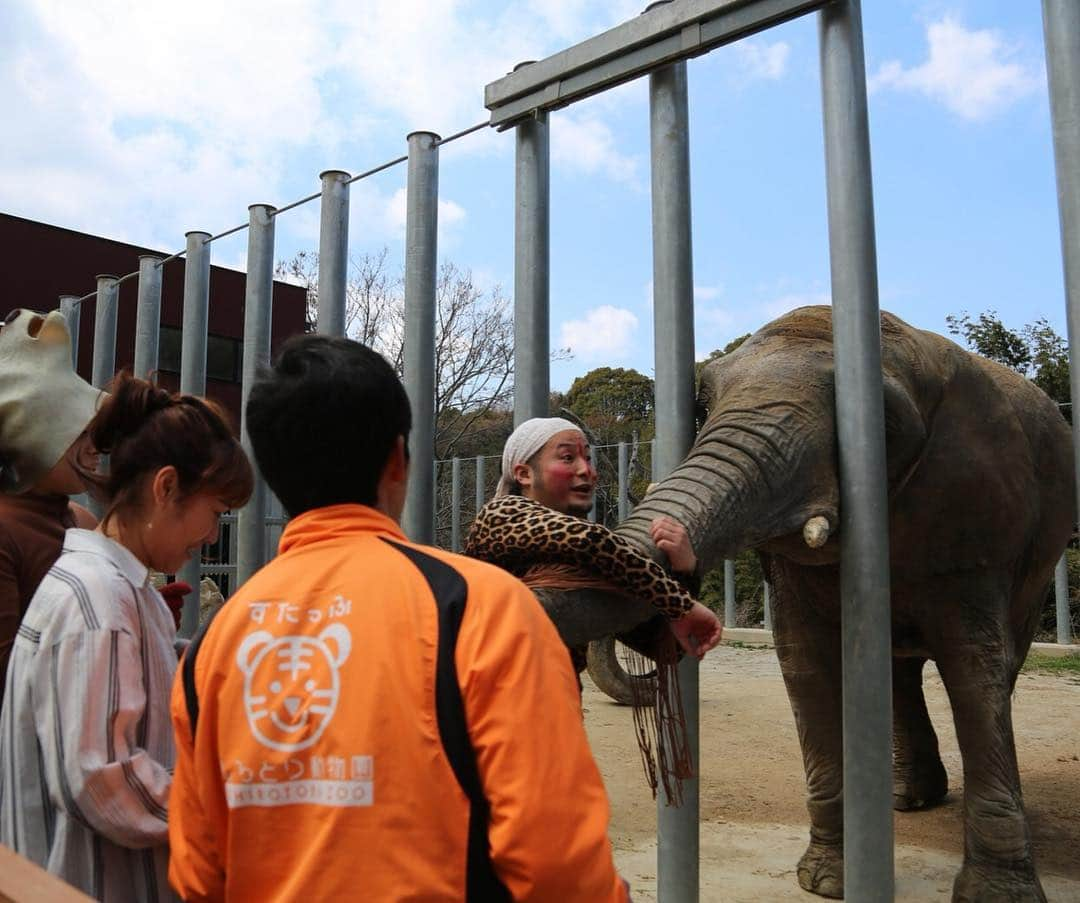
column 474, row 339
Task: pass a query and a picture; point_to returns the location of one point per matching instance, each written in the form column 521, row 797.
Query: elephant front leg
column 809, row 653
column 919, row 778
column 998, row 861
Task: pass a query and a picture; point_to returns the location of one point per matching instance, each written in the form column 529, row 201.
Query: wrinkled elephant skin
column 980, row 509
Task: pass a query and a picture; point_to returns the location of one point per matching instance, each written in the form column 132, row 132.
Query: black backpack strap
column 451, row 592
column 187, row 675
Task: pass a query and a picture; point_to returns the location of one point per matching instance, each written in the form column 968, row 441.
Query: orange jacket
column 319, row 768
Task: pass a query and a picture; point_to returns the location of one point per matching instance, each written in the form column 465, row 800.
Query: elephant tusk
column 816, row 532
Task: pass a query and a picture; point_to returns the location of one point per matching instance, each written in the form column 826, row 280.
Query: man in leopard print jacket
column 538, row 516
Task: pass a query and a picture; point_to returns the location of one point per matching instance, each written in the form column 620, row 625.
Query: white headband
column 526, row 441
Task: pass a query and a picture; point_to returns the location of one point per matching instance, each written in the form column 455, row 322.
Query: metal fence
column 463, row 485
column 219, row 560
column 656, row 44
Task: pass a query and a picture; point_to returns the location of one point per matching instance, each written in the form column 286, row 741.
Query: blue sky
column 140, row 121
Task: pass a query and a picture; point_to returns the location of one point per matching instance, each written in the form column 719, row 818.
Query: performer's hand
column 671, row 538
column 173, row 594
column 698, row 631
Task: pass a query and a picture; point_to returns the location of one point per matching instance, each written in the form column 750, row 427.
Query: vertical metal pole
column 333, row 252
column 421, row 233
column 70, row 310
column 678, row 832
column 148, row 316
column 768, row 605
column 595, row 505
column 480, row 487
column 193, row 381
column 729, row 593
column 1061, row 30
column 531, row 269
column 104, row 364
column 672, row 267
column 455, row 505
column 864, row 531
column 435, row 500
column 258, row 306
column 624, row 496
column 1061, row 601
column 196, row 314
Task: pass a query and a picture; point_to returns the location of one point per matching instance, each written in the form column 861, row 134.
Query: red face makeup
column 563, row 477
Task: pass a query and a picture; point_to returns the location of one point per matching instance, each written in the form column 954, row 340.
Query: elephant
column 980, row 507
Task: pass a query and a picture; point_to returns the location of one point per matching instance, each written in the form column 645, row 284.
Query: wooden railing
column 21, row 881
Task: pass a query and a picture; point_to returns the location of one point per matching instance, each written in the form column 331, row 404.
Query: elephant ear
column 905, row 432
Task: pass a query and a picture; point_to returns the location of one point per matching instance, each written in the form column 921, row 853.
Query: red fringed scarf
column 659, row 721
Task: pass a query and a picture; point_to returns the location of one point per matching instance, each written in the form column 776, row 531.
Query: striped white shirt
column 86, row 745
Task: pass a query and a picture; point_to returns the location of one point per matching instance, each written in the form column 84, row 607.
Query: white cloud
column 575, row 20
column 974, row 73
column 713, row 319
column 707, row 292
column 717, row 324
column 604, row 332
column 759, row 60
column 428, row 60
column 450, row 213
column 130, row 120
column 702, row 294
column 588, row 145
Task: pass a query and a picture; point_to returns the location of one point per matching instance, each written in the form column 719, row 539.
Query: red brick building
column 42, row 262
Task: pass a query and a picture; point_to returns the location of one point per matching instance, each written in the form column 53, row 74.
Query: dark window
column 224, row 356
column 169, row 349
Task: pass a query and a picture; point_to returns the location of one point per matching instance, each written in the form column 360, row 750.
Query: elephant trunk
column 728, row 491
column 584, row 615
column 735, row 490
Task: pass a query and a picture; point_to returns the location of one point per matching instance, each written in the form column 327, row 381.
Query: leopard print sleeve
column 515, row 533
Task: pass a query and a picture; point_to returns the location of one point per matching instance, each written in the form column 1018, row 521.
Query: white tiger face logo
column 292, row 685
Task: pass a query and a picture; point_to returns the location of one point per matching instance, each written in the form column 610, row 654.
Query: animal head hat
column 44, row 404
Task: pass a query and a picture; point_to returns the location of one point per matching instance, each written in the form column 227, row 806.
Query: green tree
column 749, row 590
column 1035, row 351
column 1050, row 360
column 615, row 403
column 991, row 338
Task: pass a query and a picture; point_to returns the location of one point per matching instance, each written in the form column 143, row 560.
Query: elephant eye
column 701, row 412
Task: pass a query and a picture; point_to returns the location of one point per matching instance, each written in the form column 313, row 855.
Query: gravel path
column 754, row 826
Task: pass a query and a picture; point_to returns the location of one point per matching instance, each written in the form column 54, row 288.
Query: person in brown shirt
column 44, row 456
column 32, row 529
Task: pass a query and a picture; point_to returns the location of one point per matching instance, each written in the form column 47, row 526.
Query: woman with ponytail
column 86, row 747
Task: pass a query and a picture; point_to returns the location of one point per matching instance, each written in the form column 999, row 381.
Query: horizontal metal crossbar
column 663, row 35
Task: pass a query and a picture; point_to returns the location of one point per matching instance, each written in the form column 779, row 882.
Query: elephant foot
column 984, row 883
column 920, row 788
column 821, row 870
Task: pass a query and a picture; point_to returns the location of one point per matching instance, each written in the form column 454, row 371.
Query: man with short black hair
column 367, row 717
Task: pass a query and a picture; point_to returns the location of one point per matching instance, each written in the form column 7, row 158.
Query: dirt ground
column 754, row 824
